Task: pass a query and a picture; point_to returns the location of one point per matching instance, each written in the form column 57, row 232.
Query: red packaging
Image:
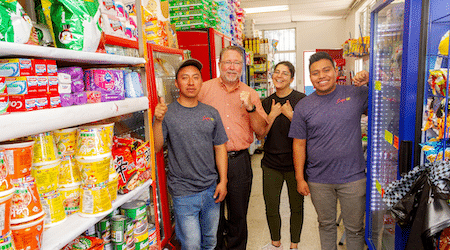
column 54, row 100
column 42, row 85
column 16, row 67
column 53, row 85
column 3, row 88
column 125, row 167
column 4, row 104
column 52, row 69
column 94, row 96
column 40, row 67
column 21, row 85
column 142, row 160
column 41, row 102
column 18, row 103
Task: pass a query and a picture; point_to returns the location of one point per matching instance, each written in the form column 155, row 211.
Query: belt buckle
column 232, row 154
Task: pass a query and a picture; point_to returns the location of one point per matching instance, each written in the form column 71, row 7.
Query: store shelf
column 16, row 125
column 60, row 235
column 24, row 50
column 261, row 81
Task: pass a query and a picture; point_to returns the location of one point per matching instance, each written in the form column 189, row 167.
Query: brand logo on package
column 9, row 69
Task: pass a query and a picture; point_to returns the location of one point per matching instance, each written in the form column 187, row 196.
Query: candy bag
column 15, row 24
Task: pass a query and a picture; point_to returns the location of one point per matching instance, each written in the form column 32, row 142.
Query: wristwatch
column 253, row 109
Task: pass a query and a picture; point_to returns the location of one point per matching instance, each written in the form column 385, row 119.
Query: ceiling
column 300, row 10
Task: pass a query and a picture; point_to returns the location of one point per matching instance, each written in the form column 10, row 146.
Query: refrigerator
column 405, row 36
column 205, row 45
column 162, row 64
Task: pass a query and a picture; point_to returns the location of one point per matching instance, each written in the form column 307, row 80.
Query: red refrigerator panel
column 198, row 43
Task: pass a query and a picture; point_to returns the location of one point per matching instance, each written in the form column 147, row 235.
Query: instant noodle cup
column 44, row 149
column 71, row 198
column 46, row 176
column 5, row 178
column 6, row 242
column 20, row 158
column 28, row 235
column 52, row 203
column 5, row 207
column 26, row 204
column 95, row 200
column 69, row 171
column 94, row 170
column 113, row 184
column 66, row 141
column 94, row 140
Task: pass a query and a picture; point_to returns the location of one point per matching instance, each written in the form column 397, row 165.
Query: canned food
column 104, row 230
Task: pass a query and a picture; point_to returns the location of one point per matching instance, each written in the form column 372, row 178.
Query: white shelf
column 20, row 124
column 60, row 235
column 25, row 50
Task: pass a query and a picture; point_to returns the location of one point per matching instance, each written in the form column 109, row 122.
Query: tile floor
column 257, row 225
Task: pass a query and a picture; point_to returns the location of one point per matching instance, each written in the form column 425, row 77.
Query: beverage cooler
column 408, row 85
column 163, row 62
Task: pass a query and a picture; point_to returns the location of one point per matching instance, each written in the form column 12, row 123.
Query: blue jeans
column 197, row 219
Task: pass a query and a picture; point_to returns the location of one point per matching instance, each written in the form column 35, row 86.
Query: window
column 363, row 29
column 286, row 49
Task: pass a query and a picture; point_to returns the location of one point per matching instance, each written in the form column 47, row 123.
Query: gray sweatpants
column 352, row 198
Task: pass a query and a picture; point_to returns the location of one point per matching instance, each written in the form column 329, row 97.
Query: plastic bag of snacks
column 85, row 243
column 15, row 24
column 75, row 23
column 438, row 81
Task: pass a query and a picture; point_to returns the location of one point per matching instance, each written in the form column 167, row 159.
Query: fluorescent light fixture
column 266, row 9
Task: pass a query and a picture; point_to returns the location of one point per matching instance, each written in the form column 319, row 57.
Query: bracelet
column 253, row 109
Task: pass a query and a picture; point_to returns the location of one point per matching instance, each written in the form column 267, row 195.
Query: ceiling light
column 266, row 9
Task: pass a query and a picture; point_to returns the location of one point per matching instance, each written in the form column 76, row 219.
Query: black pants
column 233, row 232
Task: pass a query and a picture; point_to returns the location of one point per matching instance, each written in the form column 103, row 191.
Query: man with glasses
column 242, row 114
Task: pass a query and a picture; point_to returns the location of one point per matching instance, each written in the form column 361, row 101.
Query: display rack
column 58, row 236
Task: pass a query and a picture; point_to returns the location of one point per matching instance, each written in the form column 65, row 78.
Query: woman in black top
column 277, row 163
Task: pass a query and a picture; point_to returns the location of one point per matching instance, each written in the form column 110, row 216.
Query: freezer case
column 163, row 63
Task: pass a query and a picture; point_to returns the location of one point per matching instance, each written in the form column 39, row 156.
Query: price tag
column 388, row 137
column 378, row 85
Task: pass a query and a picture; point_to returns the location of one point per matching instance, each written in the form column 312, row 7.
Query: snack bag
column 75, row 24
column 126, row 168
column 443, row 45
column 438, row 81
column 15, row 24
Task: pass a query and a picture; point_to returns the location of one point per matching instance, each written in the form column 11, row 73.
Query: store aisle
column 257, row 225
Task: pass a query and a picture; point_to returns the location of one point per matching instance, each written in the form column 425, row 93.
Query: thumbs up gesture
column 160, row 110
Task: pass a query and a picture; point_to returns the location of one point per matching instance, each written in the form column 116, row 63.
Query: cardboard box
column 16, row 67
column 19, row 103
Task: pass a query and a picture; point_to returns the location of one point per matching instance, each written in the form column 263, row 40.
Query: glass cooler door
column 384, row 113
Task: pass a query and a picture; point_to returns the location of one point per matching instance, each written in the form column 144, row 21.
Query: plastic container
column 5, row 216
column 95, row 200
column 20, row 158
column 44, row 149
column 94, row 170
column 94, row 140
column 71, row 198
column 46, row 176
column 6, row 242
column 26, row 204
column 5, row 178
column 113, row 186
column 69, row 171
column 52, row 203
column 28, row 235
column 66, row 140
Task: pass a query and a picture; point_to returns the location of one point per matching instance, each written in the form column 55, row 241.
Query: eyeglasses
column 228, row 63
column 284, row 73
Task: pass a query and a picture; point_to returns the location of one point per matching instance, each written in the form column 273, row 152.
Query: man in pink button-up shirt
column 242, row 115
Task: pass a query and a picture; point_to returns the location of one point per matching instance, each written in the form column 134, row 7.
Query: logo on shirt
column 339, row 100
column 205, row 118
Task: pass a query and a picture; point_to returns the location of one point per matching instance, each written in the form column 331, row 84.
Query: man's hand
column 221, row 192
column 246, row 100
column 361, row 78
column 287, row 110
column 276, row 109
column 302, row 188
column 160, row 110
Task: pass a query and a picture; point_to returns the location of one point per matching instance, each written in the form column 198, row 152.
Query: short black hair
column 319, row 56
column 289, row 65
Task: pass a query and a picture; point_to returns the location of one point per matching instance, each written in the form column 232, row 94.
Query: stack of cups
column 21, row 200
column 93, row 154
column 6, row 191
column 69, row 172
column 45, row 170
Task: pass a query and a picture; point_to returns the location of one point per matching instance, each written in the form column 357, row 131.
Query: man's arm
column 222, row 167
column 275, row 111
column 160, row 112
column 299, row 153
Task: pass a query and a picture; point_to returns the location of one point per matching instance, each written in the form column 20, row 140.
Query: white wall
column 328, row 34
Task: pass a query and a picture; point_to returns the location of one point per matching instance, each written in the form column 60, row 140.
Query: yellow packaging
column 69, row 171
column 71, row 198
column 113, row 186
column 66, row 141
column 94, row 140
column 46, row 176
column 95, row 201
column 54, row 209
column 94, row 170
column 44, row 149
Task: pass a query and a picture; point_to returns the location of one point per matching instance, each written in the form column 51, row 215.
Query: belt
column 233, row 154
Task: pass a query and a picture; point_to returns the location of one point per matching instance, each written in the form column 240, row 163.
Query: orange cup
column 28, row 235
column 5, row 202
column 5, row 178
column 26, row 204
column 20, row 158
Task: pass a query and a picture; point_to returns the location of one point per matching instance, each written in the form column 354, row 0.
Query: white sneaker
column 272, row 247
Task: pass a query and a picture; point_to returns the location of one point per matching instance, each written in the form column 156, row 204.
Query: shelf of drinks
column 24, row 50
column 58, row 236
column 21, row 124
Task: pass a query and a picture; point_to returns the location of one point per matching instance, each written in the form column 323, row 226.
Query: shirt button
column 228, row 104
column 228, row 127
column 228, row 116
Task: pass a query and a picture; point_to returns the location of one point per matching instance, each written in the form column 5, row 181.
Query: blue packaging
column 133, row 85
